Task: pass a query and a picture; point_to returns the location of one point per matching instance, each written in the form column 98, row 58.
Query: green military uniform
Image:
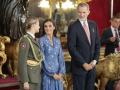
column 30, row 72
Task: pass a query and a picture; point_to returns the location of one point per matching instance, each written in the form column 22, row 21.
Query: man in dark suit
column 111, row 39
column 84, row 48
column 30, row 57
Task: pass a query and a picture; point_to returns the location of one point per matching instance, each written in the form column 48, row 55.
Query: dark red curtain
column 100, row 12
column 116, row 7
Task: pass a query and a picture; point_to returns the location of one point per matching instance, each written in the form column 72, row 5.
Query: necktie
column 87, row 31
column 116, row 34
column 117, row 40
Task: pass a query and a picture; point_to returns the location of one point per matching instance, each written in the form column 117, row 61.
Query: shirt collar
column 81, row 21
column 31, row 34
column 113, row 28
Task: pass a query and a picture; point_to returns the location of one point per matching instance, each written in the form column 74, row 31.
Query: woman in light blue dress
column 53, row 65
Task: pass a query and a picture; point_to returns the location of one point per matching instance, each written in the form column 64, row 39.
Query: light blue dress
column 53, row 63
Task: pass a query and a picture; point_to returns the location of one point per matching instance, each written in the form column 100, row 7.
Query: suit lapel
column 92, row 31
column 81, row 29
column 111, row 32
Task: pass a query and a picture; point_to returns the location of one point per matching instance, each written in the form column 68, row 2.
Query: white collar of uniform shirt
column 31, row 34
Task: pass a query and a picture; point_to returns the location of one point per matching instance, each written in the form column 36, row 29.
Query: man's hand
column 87, row 67
column 112, row 39
column 26, row 86
column 93, row 63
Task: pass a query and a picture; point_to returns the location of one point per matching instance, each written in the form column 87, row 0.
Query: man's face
column 115, row 22
column 83, row 12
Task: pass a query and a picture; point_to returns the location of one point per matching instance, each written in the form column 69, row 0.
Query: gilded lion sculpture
column 108, row 69
column 3, row 56
column 12, row 57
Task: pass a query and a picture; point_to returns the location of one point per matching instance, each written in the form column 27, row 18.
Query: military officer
column 30, row 57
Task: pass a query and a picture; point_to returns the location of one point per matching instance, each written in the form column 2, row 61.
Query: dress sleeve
column 61, row 61
column 41, row 43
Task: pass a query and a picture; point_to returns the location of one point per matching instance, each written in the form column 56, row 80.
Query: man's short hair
column 118, row 15
column 115, row 17
column 83, row 5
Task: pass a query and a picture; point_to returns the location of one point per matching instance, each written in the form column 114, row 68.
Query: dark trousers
column 84, row 81
column 110, row 85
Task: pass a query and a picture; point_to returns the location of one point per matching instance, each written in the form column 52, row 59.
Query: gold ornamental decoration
column 52, row 2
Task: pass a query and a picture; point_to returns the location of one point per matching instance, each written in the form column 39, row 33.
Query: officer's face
column 36, row 26
column 83, row 12
column 49, row 28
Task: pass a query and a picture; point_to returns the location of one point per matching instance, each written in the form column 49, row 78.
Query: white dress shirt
column 114, row 35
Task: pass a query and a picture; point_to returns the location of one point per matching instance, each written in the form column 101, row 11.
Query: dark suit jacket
column 109, row 46
column 78, row 45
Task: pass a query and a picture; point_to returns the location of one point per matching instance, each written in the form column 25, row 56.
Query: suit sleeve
column 23, row 54
column 71, row 41
column 97, row 45
column 105, row 38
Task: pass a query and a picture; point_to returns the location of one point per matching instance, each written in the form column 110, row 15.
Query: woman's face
column 49, row 28
column 37, row 26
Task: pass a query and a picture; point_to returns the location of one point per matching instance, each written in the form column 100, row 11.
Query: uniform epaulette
column 24, row 36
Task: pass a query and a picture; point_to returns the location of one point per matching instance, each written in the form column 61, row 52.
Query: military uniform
column 30, row 71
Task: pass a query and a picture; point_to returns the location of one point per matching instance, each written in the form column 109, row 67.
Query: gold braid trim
column 30, row 62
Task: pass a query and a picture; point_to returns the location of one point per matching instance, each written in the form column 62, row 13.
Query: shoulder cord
column 34, row 52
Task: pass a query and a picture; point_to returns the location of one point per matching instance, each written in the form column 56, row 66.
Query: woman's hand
column 57, row 76
column 60, row 76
